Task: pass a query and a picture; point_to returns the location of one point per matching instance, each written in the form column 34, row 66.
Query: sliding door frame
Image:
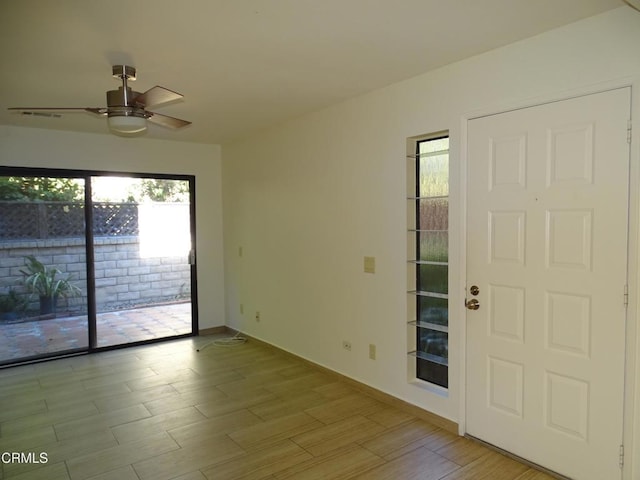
column 86, row 175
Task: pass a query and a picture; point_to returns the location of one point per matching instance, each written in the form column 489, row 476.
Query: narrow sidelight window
column 432, row 260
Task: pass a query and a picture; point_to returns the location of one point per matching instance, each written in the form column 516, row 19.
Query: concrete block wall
column 124, row 278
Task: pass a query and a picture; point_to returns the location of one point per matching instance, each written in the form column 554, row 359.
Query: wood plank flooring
column 248, row 412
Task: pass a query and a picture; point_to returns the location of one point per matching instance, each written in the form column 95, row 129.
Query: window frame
column 429, row 368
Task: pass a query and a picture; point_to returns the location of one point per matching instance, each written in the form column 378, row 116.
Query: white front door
column 547, row 249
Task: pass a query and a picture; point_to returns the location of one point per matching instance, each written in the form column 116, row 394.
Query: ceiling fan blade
column 97, row 110
column 44, row 110
column 155, row 96
column 167, row 121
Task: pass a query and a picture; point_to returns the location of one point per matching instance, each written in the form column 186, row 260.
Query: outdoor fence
column 31, row 220
column 125, row 275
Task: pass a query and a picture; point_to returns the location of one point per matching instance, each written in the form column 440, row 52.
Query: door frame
column 631, row 415
column 89, row 249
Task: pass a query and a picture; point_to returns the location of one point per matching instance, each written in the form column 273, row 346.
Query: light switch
column 369, row 264
column 372, row 351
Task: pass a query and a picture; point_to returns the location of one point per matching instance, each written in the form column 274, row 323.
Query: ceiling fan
column 126, row 110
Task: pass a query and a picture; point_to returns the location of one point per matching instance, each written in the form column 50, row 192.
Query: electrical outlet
column 372, row 351
column 346, row 344
column 257, row 316
column 241, row 309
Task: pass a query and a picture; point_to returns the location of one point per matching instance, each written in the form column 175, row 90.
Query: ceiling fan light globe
column 127, row 124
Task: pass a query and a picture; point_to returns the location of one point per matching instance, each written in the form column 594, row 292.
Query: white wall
column 308, row 199
column 30, row 147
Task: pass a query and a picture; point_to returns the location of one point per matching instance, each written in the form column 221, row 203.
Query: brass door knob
column 472, row 304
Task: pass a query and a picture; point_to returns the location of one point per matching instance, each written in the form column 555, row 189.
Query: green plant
column 48, row 283
column 11, row 302
column 40, row 189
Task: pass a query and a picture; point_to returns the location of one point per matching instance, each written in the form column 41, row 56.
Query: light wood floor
column 166, row 411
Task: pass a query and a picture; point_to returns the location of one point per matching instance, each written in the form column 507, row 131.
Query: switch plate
column 369, row 264
column 372, row 351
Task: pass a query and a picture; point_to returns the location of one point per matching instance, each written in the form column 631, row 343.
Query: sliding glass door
column 142, row 246
column 43, row 288
column 66, row 288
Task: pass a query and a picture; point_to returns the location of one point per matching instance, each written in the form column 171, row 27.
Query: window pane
column 434, row 176
column 433, row 310
column 433, row 246
column 433, row 278
column 143, row 276
column 435, row 344
column 43, row 282
column 432, row 372
column 433, row 214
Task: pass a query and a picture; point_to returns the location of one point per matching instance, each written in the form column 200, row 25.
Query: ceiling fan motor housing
column 120, row 103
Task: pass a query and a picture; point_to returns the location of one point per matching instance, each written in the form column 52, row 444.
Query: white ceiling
column 243, row 65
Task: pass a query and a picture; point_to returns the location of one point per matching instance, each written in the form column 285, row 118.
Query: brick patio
column 26, row 339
